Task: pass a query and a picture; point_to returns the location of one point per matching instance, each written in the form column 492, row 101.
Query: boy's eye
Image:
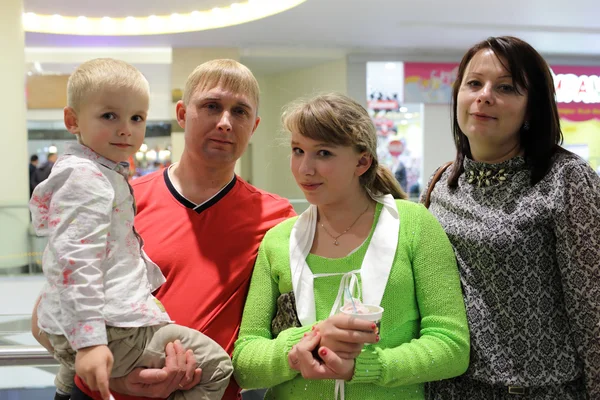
column 137, row 118
column 297, row 150
column 324, row 153
column 109, row 116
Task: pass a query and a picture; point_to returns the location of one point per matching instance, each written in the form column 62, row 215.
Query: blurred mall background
column 396, row 57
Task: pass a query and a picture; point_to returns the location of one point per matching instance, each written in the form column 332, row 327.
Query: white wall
column 438, row 145
column 159, row 78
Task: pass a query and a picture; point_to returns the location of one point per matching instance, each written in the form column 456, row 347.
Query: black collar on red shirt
column 198, row 207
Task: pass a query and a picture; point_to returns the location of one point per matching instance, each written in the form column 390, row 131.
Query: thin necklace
column 335, row 238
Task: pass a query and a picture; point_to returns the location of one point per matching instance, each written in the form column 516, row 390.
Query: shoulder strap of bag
column 436, row 177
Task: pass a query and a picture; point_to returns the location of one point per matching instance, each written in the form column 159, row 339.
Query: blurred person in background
column 33, row 163
column 43, row 172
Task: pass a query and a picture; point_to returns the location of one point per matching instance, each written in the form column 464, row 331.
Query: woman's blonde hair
column 337, row 119
column 229, row 74
column 102, row 73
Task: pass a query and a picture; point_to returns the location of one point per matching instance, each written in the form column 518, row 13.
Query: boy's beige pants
column 145, row 347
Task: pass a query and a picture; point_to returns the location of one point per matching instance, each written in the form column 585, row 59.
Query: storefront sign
column 577, row 92
column 429, row 83
column 383, row 105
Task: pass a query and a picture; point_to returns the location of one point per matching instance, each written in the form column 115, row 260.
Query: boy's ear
column 71, row 122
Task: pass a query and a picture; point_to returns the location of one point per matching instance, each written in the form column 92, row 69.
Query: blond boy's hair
column 229, row 74
column 103, row 73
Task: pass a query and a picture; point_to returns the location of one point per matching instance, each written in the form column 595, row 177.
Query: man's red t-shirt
column 206, row 253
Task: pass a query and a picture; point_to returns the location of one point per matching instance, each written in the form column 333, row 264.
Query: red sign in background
column 395, row 147
column 577, row 92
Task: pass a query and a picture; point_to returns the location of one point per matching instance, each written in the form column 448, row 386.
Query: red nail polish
column 374, row 326
column 377, row 338
column 323, row 352
column 306, row 334
column 313, row 328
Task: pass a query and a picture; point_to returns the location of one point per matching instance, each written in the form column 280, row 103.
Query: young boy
column 97, row 307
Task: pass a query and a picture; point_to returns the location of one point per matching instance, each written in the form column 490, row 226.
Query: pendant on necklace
column 336, row 242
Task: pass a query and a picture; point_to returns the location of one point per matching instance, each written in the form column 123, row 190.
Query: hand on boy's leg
column 93, row 365
column 161, row 383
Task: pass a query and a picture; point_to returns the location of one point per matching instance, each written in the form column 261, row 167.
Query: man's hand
column 93, row 365
column 179, row 373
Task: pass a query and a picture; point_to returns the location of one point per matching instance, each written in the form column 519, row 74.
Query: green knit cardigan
column 424, row 332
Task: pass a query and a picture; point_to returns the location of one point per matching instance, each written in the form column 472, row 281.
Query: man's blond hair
column 229, row 74
column 103, row 73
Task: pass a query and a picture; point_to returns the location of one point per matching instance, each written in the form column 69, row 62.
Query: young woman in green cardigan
column 293, row 339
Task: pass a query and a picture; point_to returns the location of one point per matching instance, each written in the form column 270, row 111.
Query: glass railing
column 26, row 369
column 20, row 249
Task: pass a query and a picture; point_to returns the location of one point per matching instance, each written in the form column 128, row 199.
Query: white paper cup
column 374, row 314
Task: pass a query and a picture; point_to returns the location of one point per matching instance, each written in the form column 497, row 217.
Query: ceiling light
column 235, row 14
column 29, row 18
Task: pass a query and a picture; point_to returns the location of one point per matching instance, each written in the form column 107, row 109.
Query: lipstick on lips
column 482, row 116
column 311, row 186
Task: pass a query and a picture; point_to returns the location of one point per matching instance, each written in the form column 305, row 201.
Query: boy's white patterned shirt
column 96, row 270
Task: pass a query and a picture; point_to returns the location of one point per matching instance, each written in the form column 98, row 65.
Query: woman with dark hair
column 523, row 216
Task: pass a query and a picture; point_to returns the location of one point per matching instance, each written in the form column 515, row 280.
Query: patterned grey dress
column 529, row 259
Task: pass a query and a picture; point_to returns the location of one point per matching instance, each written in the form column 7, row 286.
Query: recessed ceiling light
column 235, row 14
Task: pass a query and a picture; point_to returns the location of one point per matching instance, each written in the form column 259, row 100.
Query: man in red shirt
column 202, row 225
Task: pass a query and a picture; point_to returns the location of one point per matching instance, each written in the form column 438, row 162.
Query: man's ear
column 71, row 121
column 256, row 124
column 364, row 163
column 180, row 110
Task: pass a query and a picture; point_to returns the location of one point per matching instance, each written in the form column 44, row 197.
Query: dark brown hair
column 530, row 73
